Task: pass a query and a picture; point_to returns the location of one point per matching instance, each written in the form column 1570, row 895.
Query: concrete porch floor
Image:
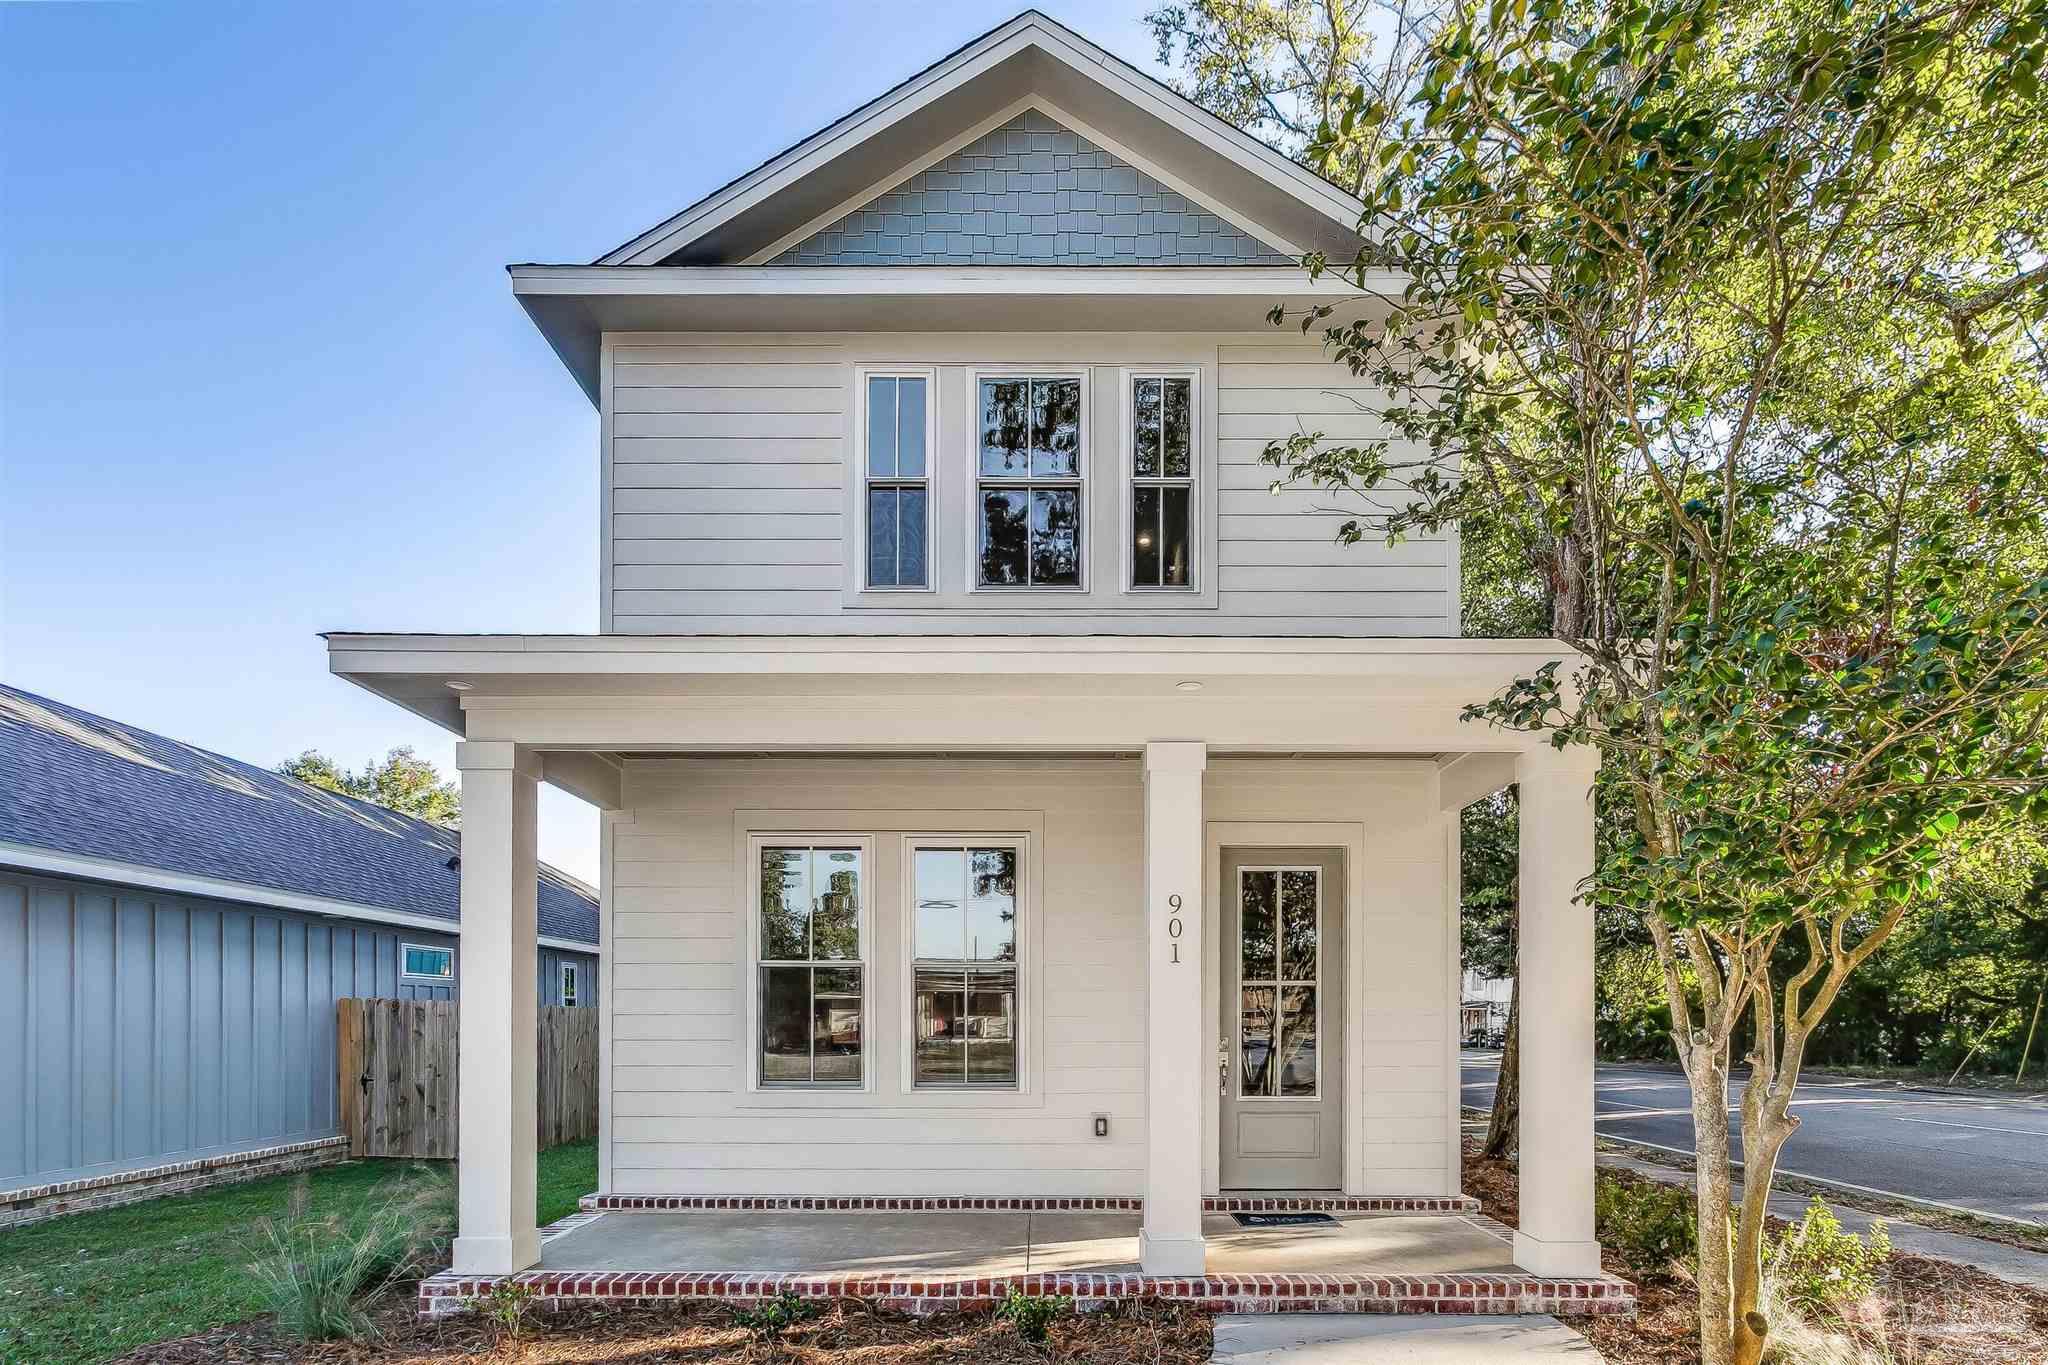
column 930, row 1261
column 979, row 1245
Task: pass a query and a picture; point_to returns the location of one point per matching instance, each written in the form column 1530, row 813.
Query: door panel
column 1283, row 991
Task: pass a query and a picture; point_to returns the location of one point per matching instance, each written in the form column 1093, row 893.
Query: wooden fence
column 397, row 1068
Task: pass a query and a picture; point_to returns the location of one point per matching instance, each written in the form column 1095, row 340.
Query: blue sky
column 260, row 371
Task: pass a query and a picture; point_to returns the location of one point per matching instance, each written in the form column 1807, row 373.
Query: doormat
column 1280, row 1220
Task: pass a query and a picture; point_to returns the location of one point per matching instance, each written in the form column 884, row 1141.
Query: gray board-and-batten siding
column 140, row 1027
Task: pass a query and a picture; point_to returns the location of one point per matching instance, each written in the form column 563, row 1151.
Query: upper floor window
column 898, row 480
column 1162, row 481
column 1029, row 484
column 812, row 976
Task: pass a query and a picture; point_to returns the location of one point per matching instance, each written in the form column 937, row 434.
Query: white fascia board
column 925, row 281
column 28, row 858
column 1030, row 29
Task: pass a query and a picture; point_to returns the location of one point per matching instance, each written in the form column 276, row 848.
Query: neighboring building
column 1487, row 1002
column 1006, row 794
column 175, row 927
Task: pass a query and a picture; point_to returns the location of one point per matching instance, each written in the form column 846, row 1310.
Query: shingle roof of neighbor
column 78, row 783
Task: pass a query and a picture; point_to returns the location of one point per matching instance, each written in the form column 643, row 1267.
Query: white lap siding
column 684, row 1118
column 732, row 491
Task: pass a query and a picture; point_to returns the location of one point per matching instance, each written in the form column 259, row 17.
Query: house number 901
column 1173, row 925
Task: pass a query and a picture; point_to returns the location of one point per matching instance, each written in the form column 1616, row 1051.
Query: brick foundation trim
column 804, row 1203
column 448, row 1293
column 37, row 1203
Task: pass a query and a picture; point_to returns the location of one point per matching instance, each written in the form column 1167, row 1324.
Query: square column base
column 1556, row 1259
column 496, row 1255
column 1172, row 1255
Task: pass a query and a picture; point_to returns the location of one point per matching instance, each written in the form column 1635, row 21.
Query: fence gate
column 397, row 1071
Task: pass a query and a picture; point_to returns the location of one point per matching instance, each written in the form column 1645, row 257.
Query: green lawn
column 90, row 1287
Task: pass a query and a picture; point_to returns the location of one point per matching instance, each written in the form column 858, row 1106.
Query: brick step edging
column 448, row 1293
column 1232, row 1203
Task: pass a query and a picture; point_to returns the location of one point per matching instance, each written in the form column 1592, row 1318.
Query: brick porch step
column 449, row 1293
column 1228, row 1203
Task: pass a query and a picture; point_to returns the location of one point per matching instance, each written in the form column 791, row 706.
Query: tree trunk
column 1762, row 1141
column 1502, row 1128
column 1707, row 1067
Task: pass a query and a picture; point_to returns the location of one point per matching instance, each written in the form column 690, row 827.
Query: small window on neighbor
column 430, row 962
column 569, row 982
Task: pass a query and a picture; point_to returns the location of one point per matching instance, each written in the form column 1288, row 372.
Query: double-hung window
column 1162, row 481
column 898, row 480
column 1028, row 489
column 964, row 1024
column 812, row 972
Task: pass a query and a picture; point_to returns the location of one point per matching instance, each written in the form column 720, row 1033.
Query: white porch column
column 1556, row 969
column 496, row 1138
column 1179, row 1057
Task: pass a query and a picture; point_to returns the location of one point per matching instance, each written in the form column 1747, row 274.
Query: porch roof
column 667, row 694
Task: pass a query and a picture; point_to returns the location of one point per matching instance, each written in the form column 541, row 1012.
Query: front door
column 1283, row 1012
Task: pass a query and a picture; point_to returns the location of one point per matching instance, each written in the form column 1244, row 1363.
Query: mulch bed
column 846, row 1333
column 1930, row 1312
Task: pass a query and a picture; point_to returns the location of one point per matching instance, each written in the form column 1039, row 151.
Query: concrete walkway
column 1994, row 1258
column 1347, row 1339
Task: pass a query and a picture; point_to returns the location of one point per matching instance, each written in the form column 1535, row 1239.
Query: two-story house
column 1008, row 797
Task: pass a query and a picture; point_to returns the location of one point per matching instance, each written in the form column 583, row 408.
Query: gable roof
column 79, row 784
column 1030, row 62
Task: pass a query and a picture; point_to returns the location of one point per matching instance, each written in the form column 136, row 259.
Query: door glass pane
column 1297, row 1040
column 941, row 1013
column 785, row 904
column 991, row 905
column 991, row 1031
column 941, row 892
column 1176, row 429
column 835, row 1024
column 1259, row 893
column 1003, row 426
column 882, row 513
column 785, row 1024
column 1175, row 550
column 1298, row 924
column 1145, row 537
column 881, row 426
column 1255, row 1041
column 1145, row 436
column 910, row 428
column 835, row 882
column 1056, row 537
column 1056, row 427
column 1003, row 540
column 910, row 538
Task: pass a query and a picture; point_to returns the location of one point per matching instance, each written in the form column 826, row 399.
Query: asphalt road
column 1988, row 1153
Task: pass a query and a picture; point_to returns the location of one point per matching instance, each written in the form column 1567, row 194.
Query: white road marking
column 1978, row 1127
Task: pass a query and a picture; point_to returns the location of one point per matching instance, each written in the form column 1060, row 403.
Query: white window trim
column 752, row 1041
column 1203, row 543
column 568, row 982
column 1083, row 482
column 406, row 949
column 1027, row 899
column 1237, row 1032
column 862, row 480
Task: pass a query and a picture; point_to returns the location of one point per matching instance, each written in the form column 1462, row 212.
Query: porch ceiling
column 651, row 696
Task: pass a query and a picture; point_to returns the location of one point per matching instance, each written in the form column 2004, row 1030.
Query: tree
column 1737, row 313
column 403, row 782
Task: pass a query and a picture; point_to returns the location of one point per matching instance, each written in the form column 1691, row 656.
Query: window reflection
column 965, row 1005
column 1279, row 913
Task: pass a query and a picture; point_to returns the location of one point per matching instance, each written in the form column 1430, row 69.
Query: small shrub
column 1032, row 1314
column 769, row 1317
column 1817, row 1265
column 506, row 1305
column 1650, row 1226
column 321, row 1273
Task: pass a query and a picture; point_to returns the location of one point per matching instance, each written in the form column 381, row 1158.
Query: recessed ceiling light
column 1189, row 686
column 457, row 685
